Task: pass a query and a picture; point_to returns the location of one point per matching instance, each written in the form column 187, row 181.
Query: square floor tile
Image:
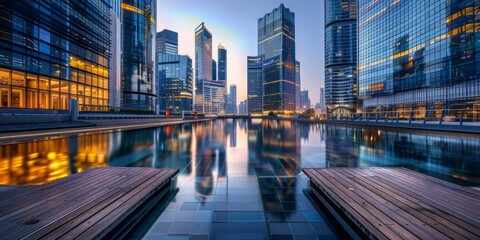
column 279, row 229
column 189, row 206
column 200, row 228
column 301, row 229
column 161, row 227
column 180, row 228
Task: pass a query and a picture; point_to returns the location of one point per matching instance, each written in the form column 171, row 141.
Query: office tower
column 45, row 60
column 243, row 108
column 255, row 85
column 175, row 82
column 167, row 42
column 341, row 56
column 322, row 97
column 298, row 105
column 276, row 43
column 304, row 100
column 115, row 63
column 209, row 94
column 138, row 60
column 231, row 100
column 214, row 70
column 222, row 63
column 425, row 63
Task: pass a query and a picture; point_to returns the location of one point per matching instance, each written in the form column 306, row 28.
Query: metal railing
column 436, row 116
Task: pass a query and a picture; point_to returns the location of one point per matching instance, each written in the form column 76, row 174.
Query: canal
column 242, row 178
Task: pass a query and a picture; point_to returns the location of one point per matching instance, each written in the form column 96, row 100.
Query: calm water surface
column 242, row 178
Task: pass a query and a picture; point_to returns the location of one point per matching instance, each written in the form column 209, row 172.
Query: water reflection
column 205, row 152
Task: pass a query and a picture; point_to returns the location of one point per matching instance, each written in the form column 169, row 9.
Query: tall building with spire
column 276, row 44
column 209, row 94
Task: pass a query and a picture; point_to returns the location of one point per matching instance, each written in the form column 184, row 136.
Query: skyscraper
column 298, row 105
column 304, row 100
column 222, row 63
column 167, row 42
column 276, row 43
column 175, row 82
column 425, row 63
column 209, row 94
column 255, row 85
column 231, row 105
column 48, row 58
column 322, row 97
column 341, row 56
column 138, row 61
column 214, row 70
column 115, row 63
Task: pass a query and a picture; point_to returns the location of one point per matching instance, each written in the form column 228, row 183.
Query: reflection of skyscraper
column 255, row 85
column 341, row 147
column 340, row 55
column 209, row 94
column 138, row 54
column 173, row 148
column 432, row 57
column 276, row 43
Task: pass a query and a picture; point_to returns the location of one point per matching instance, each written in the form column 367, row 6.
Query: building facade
column 341, row 56
column 231, row 100
column 425, row 63
column 222, row 63
column 304, row 100
column 209, row 94
column 167, row 42
column 115, row 63
column 214, row 70
column 243, row 108
column 175, row 83
column 276, row 43
column 255, row 84
column 298, row 105
column 138, row 60
column 322, row 97
column 52, row 52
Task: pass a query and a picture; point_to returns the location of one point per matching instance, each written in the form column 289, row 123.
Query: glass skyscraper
column 54, row 51
column 214, row 70
column 222, row 63
column 298, row 106
column 115, row 63
column 138, row 60
column 209, row 94
column 276, row 43
column 255, row 85
column 421, row 56
column 175, row 82
column 341, row 56
column 167, row 42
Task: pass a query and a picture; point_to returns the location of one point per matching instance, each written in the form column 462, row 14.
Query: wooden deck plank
column 360, row 213
column 443, row 222
column 70, row 205
column 389, row 208
column 450, row 198
column 64, row 195
column 69, row 200
column 73, row 220
column 404, row 200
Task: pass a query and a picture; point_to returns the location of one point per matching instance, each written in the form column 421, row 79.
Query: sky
column 233, row 23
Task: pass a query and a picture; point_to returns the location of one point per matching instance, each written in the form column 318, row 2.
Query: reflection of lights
column 32, row 155
column 51, row 156
column 54, row 165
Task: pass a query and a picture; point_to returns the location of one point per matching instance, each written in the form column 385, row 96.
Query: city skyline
column 239, row 35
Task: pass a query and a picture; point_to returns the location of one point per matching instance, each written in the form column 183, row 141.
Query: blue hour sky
column 233, row 23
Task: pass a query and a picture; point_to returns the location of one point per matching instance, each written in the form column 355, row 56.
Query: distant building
column 115, row 63
column 214, row 70
column 255, row 85
column 167, row 42
column 298, row 105
column 322, row 97
column 175, row 82
column 222, row 63
column 243, row 108
column 276, row 43
column 341, row 55
column 231, row 101
column 426, row 63
column 304, row 100
column 209, row 94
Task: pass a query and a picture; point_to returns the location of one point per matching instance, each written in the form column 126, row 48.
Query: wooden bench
column 85, row 205
column 397, row 203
